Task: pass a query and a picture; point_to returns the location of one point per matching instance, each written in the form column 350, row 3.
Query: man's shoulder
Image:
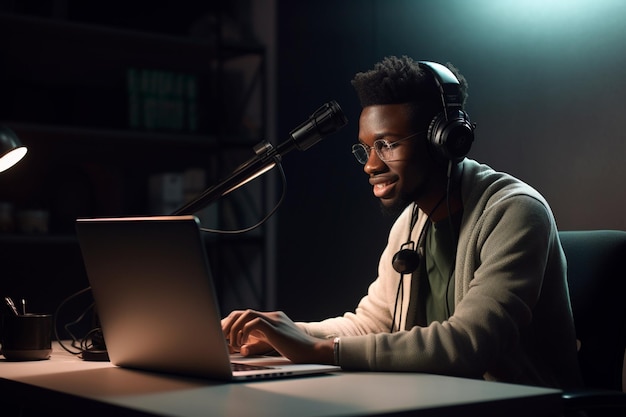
column 482, row 180
column 486, row 188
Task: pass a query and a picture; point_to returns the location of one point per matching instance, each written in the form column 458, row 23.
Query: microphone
column 326, row 120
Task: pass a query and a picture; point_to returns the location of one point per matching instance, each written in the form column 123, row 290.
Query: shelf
column 109, row 112
column 109, row 46
column 90, row 135
column 67, row 73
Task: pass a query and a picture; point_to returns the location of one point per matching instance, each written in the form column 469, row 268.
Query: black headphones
column 451, row 133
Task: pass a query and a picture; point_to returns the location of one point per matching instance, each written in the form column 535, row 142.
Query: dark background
column 545, row 87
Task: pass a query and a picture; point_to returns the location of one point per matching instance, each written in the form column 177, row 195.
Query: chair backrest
column 596, row 275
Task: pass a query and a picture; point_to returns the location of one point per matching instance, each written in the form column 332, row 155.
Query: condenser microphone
column 326, row 120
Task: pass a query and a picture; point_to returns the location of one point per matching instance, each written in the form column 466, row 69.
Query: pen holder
column 27, row 337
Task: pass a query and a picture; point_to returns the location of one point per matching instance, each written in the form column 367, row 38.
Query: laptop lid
column 155, row 298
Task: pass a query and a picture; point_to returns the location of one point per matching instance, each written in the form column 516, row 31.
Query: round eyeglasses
column 384, row 149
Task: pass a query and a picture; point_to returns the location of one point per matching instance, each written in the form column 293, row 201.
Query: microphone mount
column 326, row 120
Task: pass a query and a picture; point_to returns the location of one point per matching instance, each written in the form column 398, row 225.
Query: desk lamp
column 11, row 149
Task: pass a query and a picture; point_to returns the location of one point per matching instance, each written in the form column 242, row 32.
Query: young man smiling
column 472, row 281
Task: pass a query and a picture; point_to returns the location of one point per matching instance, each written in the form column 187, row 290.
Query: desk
column 68, row 386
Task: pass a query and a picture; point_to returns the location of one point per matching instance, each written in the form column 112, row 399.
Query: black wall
column 545, row 89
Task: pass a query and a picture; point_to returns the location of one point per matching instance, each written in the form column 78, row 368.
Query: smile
column 384, row 189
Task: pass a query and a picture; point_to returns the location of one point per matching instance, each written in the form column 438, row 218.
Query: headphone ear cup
column 451, row 136
column 405, row 261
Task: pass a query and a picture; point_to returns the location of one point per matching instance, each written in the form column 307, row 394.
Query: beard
column 396, row 207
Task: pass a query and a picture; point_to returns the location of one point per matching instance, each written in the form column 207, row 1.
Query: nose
column 374, row 164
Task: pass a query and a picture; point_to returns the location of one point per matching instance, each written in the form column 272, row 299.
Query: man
column 472, row 282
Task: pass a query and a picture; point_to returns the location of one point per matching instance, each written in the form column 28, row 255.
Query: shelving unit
column 102, row 111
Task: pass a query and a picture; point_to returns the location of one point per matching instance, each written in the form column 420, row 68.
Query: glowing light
column 11, row 158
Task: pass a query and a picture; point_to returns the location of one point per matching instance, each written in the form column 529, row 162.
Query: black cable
column 87, row 344
column 448, row 185
column 264, row 219
column 413, row 221
column 453, row 234
column 75, row 341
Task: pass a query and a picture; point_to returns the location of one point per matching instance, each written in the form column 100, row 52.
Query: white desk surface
column 69, row 385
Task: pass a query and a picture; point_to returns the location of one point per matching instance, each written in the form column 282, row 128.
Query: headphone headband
column 448, row 84
column 451, row 133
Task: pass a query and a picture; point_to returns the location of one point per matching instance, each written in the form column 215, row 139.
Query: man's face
column 406, row 177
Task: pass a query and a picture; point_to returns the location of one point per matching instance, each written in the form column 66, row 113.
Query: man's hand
column 252, row 332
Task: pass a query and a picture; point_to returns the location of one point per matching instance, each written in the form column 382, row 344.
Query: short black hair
column 401, row 80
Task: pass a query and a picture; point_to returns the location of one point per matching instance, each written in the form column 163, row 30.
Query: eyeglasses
column 384, row 149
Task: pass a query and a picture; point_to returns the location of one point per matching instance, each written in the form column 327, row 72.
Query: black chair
column 597, row 280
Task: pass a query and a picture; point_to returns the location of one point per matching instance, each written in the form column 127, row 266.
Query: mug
column 26, row 337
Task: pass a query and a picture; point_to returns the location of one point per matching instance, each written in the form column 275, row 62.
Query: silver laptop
column 156, row 302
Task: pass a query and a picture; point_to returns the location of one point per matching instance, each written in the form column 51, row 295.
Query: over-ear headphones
column 451, row 133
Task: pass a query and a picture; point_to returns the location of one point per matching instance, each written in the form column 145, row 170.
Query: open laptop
column 156, row 301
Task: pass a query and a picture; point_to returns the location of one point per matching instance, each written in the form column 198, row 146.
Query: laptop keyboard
column 247, row 367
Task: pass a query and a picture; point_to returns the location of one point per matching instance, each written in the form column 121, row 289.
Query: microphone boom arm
column 326, row 120
column 254, row 167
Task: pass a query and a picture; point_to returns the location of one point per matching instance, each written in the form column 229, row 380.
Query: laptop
column 156, row 301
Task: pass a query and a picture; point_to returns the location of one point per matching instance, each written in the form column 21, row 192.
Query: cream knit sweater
column 512, row 320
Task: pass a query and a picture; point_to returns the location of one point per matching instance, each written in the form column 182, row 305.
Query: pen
column 11, row 305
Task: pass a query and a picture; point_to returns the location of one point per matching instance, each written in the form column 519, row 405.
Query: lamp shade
column 11, row 149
